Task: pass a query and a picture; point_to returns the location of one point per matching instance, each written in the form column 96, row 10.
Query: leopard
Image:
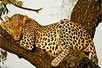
column 56, row 38
column 15, row 27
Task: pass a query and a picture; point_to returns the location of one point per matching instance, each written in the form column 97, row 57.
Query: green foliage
column 5, row 10
column 19, row 3
column 4, row 3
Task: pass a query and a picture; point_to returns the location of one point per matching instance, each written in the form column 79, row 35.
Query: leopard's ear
column 7, row 18
column 25, row 19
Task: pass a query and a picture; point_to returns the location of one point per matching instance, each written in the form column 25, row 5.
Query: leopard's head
column 14, row 25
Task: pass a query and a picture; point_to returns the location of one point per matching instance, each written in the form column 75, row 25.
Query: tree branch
column 35, row 10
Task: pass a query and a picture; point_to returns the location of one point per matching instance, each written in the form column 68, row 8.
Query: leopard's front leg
column 27, row 41
column 60, row 57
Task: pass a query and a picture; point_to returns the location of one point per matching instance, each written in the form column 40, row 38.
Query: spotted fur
column 55, row 38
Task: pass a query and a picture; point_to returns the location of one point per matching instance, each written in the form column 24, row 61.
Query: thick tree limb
column 75, row 59
column 40, row 58
column 88, row 13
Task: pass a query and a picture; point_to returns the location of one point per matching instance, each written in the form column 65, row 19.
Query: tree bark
column 40, row 59
column 89, row 16
column 88, row 13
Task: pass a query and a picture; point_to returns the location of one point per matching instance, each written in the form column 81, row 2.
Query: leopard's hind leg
column 92, row 52
column 60, row 57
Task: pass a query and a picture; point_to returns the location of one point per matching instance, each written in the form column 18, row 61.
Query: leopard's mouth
column 16, row 38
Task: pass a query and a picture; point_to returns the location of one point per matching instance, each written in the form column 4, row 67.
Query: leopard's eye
column 26, row 22
column 19, row 24
column 10, row 27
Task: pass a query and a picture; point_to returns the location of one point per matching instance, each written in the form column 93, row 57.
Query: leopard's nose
column 17, row 37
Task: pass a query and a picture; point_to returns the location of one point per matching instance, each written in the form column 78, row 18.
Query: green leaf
column 14, row 1
column 4, row 2
column 3, row 6
column 20, row 3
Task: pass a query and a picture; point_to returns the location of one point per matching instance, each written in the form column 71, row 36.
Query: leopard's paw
column 55, row 63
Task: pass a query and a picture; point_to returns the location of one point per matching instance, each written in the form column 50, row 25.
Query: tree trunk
column 87, row 13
